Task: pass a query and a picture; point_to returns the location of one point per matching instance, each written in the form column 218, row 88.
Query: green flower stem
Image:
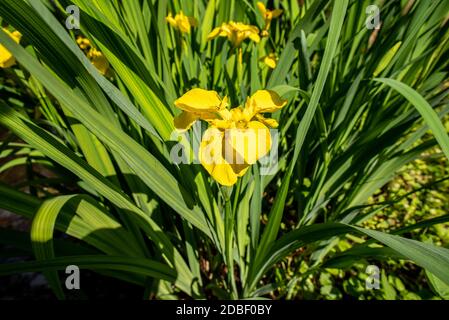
column 229, row 232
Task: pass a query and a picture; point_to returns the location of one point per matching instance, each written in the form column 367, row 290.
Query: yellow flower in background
column 7, row 60
column 95, row 56
column 83, row 43
column 181, row 22
column 236, row 138
column 270, row 60
column 236, row 32
column 268, row 15
column 98, row 60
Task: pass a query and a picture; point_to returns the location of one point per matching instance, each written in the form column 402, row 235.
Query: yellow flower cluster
column 268, row 15
column 236, row 32
column 7, row 60
column 236, row 138
column 96, row 57
column 270, row 60
column 181, row 22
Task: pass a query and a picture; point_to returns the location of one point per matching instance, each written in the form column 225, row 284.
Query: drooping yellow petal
column 7, row 60
column 267, row 101
column 214, row 33
column 211, row 157
column 185, row 120
column 246, row 146
column 200, row 100
column 254, row 36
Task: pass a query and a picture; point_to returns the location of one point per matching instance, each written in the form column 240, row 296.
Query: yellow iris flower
column 83, row 43
column 270, row 60
column 181, row 22
column 7, row 60
column 98, row 60
column 236, row 138
column 236, row 32
column 95, row 56
column 268, row 15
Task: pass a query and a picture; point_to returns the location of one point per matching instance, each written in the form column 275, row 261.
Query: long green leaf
column 429, row 115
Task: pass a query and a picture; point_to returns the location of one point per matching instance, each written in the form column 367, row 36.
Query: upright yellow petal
column 210, row 156
column 183, row 22
column 199, row 100
column 267, row 101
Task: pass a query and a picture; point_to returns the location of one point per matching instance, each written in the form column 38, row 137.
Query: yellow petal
column 210, row 156
column 184, row 26
column 7, row 60
column 267, row 101
column 184, row 120
column 171, row 21
column 16, row 35
column 262, row 8
column 183, row 22
column 99, row 60
column 254, row 36
column 246, row 146
column 272, row 123
column 270, row 61
column 101, row 64
column 199, row 100
column 214, row 33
